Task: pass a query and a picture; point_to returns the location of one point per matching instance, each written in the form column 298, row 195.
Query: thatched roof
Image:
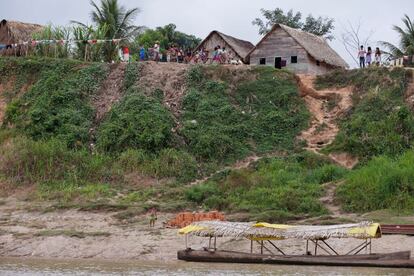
column 17, row 32
column 316, row 46
column 254, row 231
column 239, row 46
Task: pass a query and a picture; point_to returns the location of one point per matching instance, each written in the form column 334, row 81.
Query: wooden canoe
column 396, row 260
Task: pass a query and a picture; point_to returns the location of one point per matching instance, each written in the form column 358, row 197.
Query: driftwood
column 396, row 260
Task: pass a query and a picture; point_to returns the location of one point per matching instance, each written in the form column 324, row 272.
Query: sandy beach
column 88, row 235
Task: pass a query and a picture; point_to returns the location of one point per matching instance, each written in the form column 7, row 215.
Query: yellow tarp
column 274, row 226
column 190, row 228
column 373, row 231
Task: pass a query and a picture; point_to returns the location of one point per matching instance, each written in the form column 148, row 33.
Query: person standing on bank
column 125, row 52
column 368, row 59
column 361, row 56
column 378, row 56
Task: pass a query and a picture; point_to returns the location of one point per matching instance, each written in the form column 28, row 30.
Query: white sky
column 232, row 17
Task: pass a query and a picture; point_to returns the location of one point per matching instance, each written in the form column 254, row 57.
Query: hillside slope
column 127, row 137
column 81, row 131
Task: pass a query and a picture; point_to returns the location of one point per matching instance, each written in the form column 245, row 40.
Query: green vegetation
column 166, row 36
column 406, row 43
column 380, row 122
column 226, row 124
column 319, row 26
column 138, row 122
column 50, row 138
column 277, row 190
column 57, row 105
column 384, row 183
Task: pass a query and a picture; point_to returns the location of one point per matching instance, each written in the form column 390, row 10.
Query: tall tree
column 167, row 35
column 117, row 20
column 406, row 44
column 321, row 26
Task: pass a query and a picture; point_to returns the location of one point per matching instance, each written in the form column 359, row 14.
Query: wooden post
column 215, row 243
column 209, row 243
column 251, row 246
column 307, row 247
column 261, row 247
column 186, row 241
column 316, row 247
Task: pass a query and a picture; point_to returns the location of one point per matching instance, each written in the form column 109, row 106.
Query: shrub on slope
column 384, row 183
column 380, row 122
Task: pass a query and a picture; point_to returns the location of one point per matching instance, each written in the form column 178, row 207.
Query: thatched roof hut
column 239, row 48
column 17, row 32
column 296, row 49
column 14, row 32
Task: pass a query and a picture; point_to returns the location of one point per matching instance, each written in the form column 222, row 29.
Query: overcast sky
column 232, row 17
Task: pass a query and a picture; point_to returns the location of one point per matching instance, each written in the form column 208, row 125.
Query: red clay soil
column 324, row 128
column 110, row 91
column 186, row 218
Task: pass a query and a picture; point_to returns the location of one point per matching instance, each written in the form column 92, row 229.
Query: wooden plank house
column 237, row 48
column 296, row 50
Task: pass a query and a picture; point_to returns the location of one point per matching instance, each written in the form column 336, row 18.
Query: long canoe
column 395, row 260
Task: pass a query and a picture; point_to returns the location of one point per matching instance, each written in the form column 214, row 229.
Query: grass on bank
column 380, row 122
column 384, row 183
column 279, row 189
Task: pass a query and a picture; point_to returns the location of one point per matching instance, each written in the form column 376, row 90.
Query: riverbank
column 74, row 234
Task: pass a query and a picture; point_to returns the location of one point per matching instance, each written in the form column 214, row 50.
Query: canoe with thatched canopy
column 270, row 233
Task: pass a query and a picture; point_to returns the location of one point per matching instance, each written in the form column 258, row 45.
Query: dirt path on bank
column 110, row 92
column 326, row 107
column 91, row 235
column 170, row 78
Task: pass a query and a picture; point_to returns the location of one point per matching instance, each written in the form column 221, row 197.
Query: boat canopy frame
column 263, row 233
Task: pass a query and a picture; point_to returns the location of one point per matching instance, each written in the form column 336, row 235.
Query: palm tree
column 406, row 47
column 117, row 20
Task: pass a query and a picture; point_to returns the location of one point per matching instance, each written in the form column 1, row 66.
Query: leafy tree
column 321, row 26
column 406, row 45
column 167, row 35
column 118, row 23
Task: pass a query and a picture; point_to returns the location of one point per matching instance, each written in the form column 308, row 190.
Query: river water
column 23, row 267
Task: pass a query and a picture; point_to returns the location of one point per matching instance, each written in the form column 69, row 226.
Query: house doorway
column 278, row 63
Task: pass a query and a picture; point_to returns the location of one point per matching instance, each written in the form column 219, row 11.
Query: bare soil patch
column 326, row 107
column 168, row 77
column 110, row 91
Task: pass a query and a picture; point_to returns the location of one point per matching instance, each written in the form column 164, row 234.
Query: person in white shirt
column 361, row 56
column 157, row 51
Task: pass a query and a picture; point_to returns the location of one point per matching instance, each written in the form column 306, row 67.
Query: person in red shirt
column 125, row 52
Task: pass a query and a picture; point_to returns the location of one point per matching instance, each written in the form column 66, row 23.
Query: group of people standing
column 365, row 57
column 174, row 53
column 220, row 55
